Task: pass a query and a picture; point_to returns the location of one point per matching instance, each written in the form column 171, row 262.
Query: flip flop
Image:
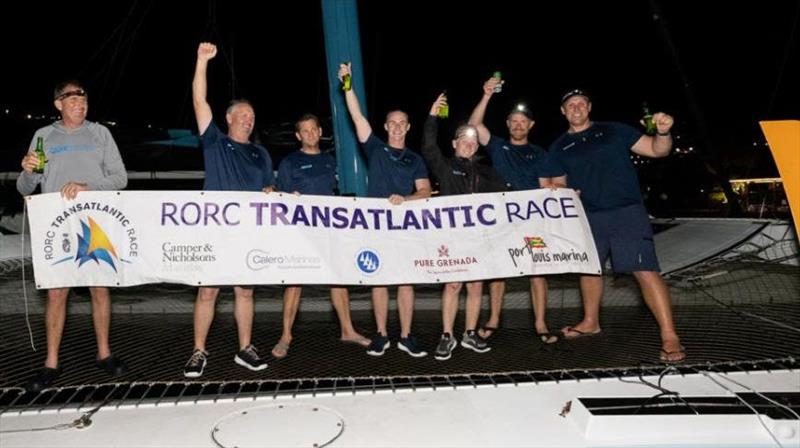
column 362, row 342
column 484, row 329
column 580, row 334
column 280, row 350
column 544, row 337
column 665, row 355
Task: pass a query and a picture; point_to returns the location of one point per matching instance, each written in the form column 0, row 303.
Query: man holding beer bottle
column 80, row 156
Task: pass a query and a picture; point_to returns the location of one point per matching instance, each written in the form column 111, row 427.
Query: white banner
column 129, row 238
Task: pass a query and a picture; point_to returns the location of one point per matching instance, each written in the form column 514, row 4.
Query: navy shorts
column 624, row 234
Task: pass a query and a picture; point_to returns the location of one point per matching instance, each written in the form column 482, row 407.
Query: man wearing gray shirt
column 81, row 156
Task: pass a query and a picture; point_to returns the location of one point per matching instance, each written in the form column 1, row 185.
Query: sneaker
column 112, row 366
column 472, row 341
column 445, row 347
column 409, row 345
column 43, row 378
column 196, row 364
column 248, row 358
column 378, row 345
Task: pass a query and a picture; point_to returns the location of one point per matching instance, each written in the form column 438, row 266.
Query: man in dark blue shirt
column 524, row 166
column 309, row 171
column 596, row 159
column 231, row 163
column 399, row 174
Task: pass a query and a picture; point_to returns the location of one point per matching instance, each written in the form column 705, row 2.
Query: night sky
column 739, row 64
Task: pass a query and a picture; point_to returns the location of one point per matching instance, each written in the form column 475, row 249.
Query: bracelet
column 665, row 134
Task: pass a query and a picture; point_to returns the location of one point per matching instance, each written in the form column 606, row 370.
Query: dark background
column 717, row 68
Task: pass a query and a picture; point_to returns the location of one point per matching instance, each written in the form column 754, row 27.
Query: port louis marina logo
column 91, row 248
column 537, row 251
column 444, row 263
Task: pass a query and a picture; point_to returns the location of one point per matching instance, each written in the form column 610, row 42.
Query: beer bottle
column 647, row 119
column 444, row 109
column 40, row 153
column 499, row 86
column 347, row 82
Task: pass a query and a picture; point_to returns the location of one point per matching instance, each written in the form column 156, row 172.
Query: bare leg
column 203, row 315
column 497, row 291
column 243, row 311
column 656, row 296
column 340, row 299
column 450, row 306
column 55, row 316
column 592, row 293
column 291, row 302
column 473, row 311
column 405, row 306
column 380, row 307
column 539, row 299
column 101, row 316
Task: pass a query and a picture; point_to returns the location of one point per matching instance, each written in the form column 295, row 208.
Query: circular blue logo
column 368, row 261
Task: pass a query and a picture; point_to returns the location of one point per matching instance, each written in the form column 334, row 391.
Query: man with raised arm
column 461, row 174
column 232, row 162
column 524, row 166
column 399, row 174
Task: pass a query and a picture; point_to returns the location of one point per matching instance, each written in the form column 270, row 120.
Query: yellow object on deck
column 784, row 142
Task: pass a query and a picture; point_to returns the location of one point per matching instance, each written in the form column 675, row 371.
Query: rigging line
column 205, row 36
column 222, row 50
column 786, row 56
column 24, row 285
column 109, row 66
column 740, row 312
column 757, row 414
column 745, row 386
column 105, row 43
column 85, row 420
column 121, row 71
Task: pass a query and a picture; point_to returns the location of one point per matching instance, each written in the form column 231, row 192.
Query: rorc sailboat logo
column 92, row 243
column 95, row 245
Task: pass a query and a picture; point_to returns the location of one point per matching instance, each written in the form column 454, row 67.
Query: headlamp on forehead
column 467, row 131
column 521, row 108
column 65, row 95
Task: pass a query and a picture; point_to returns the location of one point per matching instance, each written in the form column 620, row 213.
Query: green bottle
column 347, row 82
column 444, row 110
column 40, row 153
column 499, row 86
column 649, row 125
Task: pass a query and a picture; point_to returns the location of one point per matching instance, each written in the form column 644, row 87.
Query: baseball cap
column 575, row 92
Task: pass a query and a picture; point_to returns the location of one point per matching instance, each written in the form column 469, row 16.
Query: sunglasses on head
column 65, row 95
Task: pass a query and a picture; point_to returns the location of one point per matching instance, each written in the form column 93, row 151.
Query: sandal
column 280, row 350
column 546, row 337
column 665, row 355
column 485, row 331
column 579, row 333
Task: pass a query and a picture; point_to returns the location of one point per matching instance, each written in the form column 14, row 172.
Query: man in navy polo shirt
column 596, row 159
column 310, row 171
column 399, row 174
column 231, row 163
column 524, row 166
